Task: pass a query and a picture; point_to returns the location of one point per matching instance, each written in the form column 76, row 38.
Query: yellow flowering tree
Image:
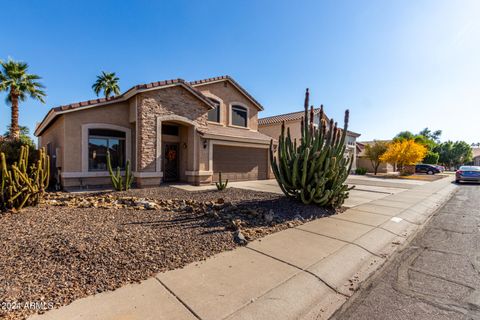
column 402, row 153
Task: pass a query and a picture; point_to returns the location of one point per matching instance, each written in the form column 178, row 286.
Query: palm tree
column 108, row 82
column 19, row 84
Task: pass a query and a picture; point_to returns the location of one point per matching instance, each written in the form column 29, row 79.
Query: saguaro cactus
column 116, row 176
column 315, row 169
column 20, row 185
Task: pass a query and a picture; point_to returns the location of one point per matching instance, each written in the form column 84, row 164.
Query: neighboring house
column 364, row 162
column 272, row 126
column 476, row 156
column 170, row 131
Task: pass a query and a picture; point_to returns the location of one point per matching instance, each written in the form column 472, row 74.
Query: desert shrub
column 12, row 147
column 361, row 171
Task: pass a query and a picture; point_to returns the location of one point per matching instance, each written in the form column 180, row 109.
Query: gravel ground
column 56, row 254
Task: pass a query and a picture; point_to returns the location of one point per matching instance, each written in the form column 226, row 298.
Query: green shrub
column 361, row 171
column 12, row 147
column 314, row 169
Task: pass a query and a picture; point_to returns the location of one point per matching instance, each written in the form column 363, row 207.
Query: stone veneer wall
column 169, row 101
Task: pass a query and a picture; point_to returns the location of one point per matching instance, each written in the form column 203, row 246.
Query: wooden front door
column 170, row 162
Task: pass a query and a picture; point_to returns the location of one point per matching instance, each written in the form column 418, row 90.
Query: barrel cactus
column 23, row 185
column 314, row 169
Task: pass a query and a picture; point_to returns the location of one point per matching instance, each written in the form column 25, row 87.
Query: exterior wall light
column 204, row 144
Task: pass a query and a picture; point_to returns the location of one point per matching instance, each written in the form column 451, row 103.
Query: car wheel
column 429, row 172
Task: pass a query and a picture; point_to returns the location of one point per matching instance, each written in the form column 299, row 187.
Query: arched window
column 214, row 114
column 99, row 142
column 239, row 116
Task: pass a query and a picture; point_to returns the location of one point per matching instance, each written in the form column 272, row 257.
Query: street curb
column 435, row 202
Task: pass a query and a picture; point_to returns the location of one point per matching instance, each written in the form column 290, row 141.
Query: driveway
column 366, row 188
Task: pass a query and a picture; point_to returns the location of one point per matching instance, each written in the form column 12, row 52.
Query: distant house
column 271, row 126
column 364, row 162
column 476, row 156
column 170, row 130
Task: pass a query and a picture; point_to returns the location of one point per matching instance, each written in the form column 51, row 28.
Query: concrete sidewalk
column 305, row 272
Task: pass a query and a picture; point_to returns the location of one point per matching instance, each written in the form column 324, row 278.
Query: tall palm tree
column 108, row 82
column 19, row 84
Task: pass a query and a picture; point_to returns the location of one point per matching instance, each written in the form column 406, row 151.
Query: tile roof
column 132, row 91
column 226, row 78
column 292, row 116
column 231, row 133
column 119, row 97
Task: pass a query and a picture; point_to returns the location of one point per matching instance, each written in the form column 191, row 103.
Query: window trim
column 230, row 109
column 85, row 136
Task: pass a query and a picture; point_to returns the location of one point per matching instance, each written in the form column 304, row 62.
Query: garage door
column 240, row 163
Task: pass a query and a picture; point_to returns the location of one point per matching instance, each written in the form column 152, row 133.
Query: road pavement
column 437, row 276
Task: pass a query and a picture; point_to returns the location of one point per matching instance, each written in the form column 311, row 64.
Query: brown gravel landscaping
column 75, row 245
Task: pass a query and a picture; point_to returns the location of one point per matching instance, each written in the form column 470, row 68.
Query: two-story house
column 169, row 131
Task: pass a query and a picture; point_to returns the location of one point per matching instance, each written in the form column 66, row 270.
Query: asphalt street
column 437, row 276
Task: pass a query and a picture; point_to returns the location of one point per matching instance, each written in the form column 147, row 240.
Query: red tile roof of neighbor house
column 293, row 116
column 140, row 87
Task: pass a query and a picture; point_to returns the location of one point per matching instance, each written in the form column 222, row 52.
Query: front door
column 170, row 162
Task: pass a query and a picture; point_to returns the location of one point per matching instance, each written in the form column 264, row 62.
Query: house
column 364, row 162
column 476, row 156
column 170, row 130
column 272, row 127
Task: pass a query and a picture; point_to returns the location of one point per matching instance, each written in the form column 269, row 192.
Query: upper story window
column 239, row 116
column 99, row 142
column 214, row 114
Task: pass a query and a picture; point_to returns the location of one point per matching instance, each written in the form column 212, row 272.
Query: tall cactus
column 315, row 169
column 21, row 185
column 116, row 176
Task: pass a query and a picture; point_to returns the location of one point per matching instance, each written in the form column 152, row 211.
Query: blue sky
column 397, row 65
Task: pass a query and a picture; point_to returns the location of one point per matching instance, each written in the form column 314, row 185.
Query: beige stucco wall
column 230, row 94
column 274, row 130
column 367, row 164
column 115, row 114
column 55, row 134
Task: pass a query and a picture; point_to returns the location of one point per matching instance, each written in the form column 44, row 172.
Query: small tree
column 406, row 152
column 374, row 152
column 431, row 158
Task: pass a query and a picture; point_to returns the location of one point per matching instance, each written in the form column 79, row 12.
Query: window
column 239, row 116
column 99, row 142
column 214, row 114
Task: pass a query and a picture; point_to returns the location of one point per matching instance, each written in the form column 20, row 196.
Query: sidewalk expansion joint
column 349, row 242
column 370, row 225
column 300, row 269
column 178, row 299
